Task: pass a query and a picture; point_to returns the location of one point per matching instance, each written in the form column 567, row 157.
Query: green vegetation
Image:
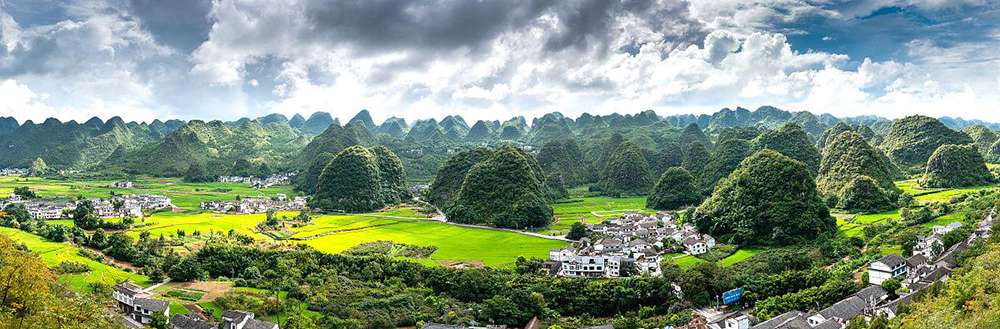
column 675, row 189
column 444, row 191
column 792, row 141
column 769, row 199
column 505, row 191
column 853, row 176
column 354, row 181
column 910, row 141
column 956, row 166
column 317, row 154
column 693, row 134
column 563, row 157
column 726, row 158
column 961, row 302
column 627, row 172
column 983, row 137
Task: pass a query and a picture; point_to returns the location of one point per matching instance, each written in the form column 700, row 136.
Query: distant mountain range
column 277, row 142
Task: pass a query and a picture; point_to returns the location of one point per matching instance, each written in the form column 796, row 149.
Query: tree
column 695, row 159
column 196, row 173
column 577, row 231
column 24, row 192
column 563, row 157
column 792, row 141
column 505, row 191
column 692, row 134
column 890, row 286
column 449, row 179
column 627, row 172
column 956, row 166
column 675, row 189
column 39, row 168
column 846, row 159
column 84, row 216
column 769, row 199
column 354, row 181
column 158, row 320
column 726, row 157
column 910, row 141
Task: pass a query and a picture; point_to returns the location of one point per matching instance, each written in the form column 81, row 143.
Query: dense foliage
column 983, row 137
column 847, row 158
column 503, row 190
column 354, row 181
column 724, row 159
column 563, row 156
column 444, row 190
column 696, row 157
column 675, row 189
column 956, row 166
column 792, row 141
column 318, row 153
column 769, row 199
column 627, row 172
column 966, row 300
column 693, row 134
column 910, row 141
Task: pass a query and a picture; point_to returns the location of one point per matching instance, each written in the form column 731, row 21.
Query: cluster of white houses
column 631, row 242
column 118, row 206
column 14, row 172
column 139, row 307
column 279, row 202
column 259, row 182
column 916, row 273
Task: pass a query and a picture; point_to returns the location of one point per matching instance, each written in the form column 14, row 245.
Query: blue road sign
column 732, row 296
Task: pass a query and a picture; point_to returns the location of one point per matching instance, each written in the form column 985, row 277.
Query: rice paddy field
column 592, row 209
column 53, row 253
column 187, row 196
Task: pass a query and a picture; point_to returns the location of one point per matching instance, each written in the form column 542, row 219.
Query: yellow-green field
column 53, row 253
column 454, row 243
column 593, row 209
column 184, row 195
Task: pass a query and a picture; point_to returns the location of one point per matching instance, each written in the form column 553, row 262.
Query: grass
column 572, row 210
column 187, row 295
column 53, row 253
column 739, row 256
column 683, row 260
column 177, row 308
column 188, row 196
column 454, row 243
column 167, row 223
column 853, row 225
column 946, row 219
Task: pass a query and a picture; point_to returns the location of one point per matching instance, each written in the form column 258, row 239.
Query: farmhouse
column 932, row 245
column 136, row 304
column 14, row 172
column 840, row 312
column 887, row 267
column 259, row 182
column 124, row 184
column 231, row 319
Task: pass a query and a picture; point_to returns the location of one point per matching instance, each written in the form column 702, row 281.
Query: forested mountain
column 216, row 146
column 911, row 140
column 848, row 158
column 72, row 145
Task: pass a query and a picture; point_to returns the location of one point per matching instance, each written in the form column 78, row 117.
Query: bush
column 71, row 267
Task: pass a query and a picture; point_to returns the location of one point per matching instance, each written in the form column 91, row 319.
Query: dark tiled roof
column 844, row 309
column 872, row 292
column 937, row 274
column 789, row 320
column 258, row 324
column 892, row 260
column 440, row 326
column 128, row 288
column 151, row 304
column 828, row 324
column 916, row 260
column 182, row 321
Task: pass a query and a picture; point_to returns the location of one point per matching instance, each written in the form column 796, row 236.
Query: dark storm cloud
column 428, row 25
column 180, row 24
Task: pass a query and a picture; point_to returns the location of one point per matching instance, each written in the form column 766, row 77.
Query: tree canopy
column 769, row 199
column 627, row 172
column 983, row 137
column 726, row 158
column 503, row 190
column 564, row 157
column 792, row 141
column 354, row 181
column 910, row 141
column 675, row 189
column 847, row 158
column 444, row 190
column 956, row 166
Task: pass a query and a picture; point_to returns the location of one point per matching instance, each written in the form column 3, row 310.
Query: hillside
column 216, row 146
column 72, row 145
column 911, row 140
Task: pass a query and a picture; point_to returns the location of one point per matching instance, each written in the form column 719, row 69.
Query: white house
column 136, row 303
column 887, row 267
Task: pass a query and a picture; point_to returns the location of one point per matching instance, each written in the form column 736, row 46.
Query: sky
column 225, row 59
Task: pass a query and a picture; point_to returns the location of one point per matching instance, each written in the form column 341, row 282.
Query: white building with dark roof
column 137, row 304
column 887, row 267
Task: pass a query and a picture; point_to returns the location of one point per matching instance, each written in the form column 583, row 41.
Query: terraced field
column 53, row 253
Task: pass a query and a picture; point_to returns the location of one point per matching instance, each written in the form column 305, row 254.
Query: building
column 787, row 320
column 187, row 321
column 125, row 184
column 136, row 304
column 887, row 267
column 233, row 319
column 698, row 244
column 932, row 245
column 840, row 312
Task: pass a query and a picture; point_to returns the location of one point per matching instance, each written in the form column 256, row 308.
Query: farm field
column 53, row 253
column 924, row 195
column 187, row 196
column 571, row 210
column 454, row 243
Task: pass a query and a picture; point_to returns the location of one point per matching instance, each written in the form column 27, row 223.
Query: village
column 631, row 244
column 259, row 182
column 131, row 205
column 139, row 309
column 256, row 205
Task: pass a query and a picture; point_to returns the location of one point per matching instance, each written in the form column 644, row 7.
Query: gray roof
column 916, row 260
column 430, row 325
column 259, row 324
column 183, row 321
column 788, row 320
column 892, row 260
column 937, row 274
column 152, row 305
column 828, row 324
column 872, row 292
column 128, row 288
column 845, row 309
